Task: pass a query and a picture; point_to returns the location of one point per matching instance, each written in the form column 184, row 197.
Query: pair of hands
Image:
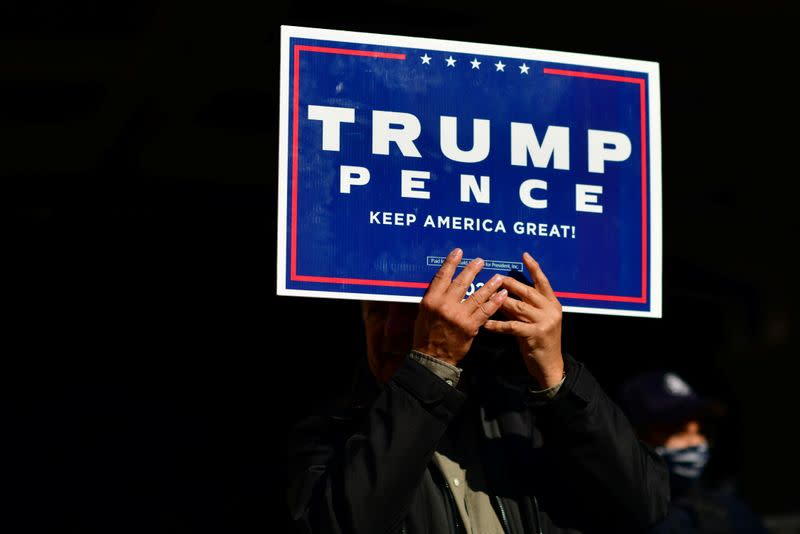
column 446, row 325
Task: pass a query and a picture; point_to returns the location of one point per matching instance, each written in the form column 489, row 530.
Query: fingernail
column 478, row 261
column 496, row 279
column 527, row 256
column 501, row 294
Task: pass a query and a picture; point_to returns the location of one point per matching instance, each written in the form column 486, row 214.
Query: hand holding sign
column 536, row 322
column 447, row 324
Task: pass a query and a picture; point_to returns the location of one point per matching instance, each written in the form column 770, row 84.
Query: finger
column 523, row 291
column 441, row 280
column 521, row 310
column 485, row 292
column 515, row 328
column 537, row 275
column 489, row 307
column 459, row 286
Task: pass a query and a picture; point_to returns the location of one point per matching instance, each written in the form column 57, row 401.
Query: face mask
column 686, row 463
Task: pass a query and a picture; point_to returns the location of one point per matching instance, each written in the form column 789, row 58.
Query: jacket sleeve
column 361, row 478
column 621, row 483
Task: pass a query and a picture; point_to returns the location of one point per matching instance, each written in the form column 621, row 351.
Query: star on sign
column 523, row 69
column 426, row 59
column 475, row 63
column 500, row 66
column 451, row 62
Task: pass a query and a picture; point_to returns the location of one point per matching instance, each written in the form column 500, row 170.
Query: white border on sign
column 654, row 135
column 283, row 158
column 584, row 60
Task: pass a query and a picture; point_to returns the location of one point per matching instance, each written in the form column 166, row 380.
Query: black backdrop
column 143, row 382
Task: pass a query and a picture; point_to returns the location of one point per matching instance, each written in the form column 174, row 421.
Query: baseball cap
column 663, row 397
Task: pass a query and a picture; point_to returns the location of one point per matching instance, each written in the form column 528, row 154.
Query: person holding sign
column 475, row 422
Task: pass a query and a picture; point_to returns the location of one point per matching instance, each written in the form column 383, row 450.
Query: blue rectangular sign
column 395, row 150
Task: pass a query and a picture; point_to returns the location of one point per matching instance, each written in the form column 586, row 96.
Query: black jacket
column 704, row 510
column 564, row 465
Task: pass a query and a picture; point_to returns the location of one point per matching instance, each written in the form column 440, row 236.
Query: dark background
column 144, row 384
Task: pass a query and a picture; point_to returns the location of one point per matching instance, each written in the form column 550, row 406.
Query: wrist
column 447, row 372
column 431, row 352
column 550, row 375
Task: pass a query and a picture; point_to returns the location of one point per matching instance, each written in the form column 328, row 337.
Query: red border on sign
column 422, row 285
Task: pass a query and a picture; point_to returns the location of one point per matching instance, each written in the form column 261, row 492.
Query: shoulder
column 717, row 510
column 678, row 520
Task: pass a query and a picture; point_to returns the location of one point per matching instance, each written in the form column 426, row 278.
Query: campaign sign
column 395, row 150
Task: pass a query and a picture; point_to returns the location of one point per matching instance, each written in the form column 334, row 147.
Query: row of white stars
column 499, row 66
